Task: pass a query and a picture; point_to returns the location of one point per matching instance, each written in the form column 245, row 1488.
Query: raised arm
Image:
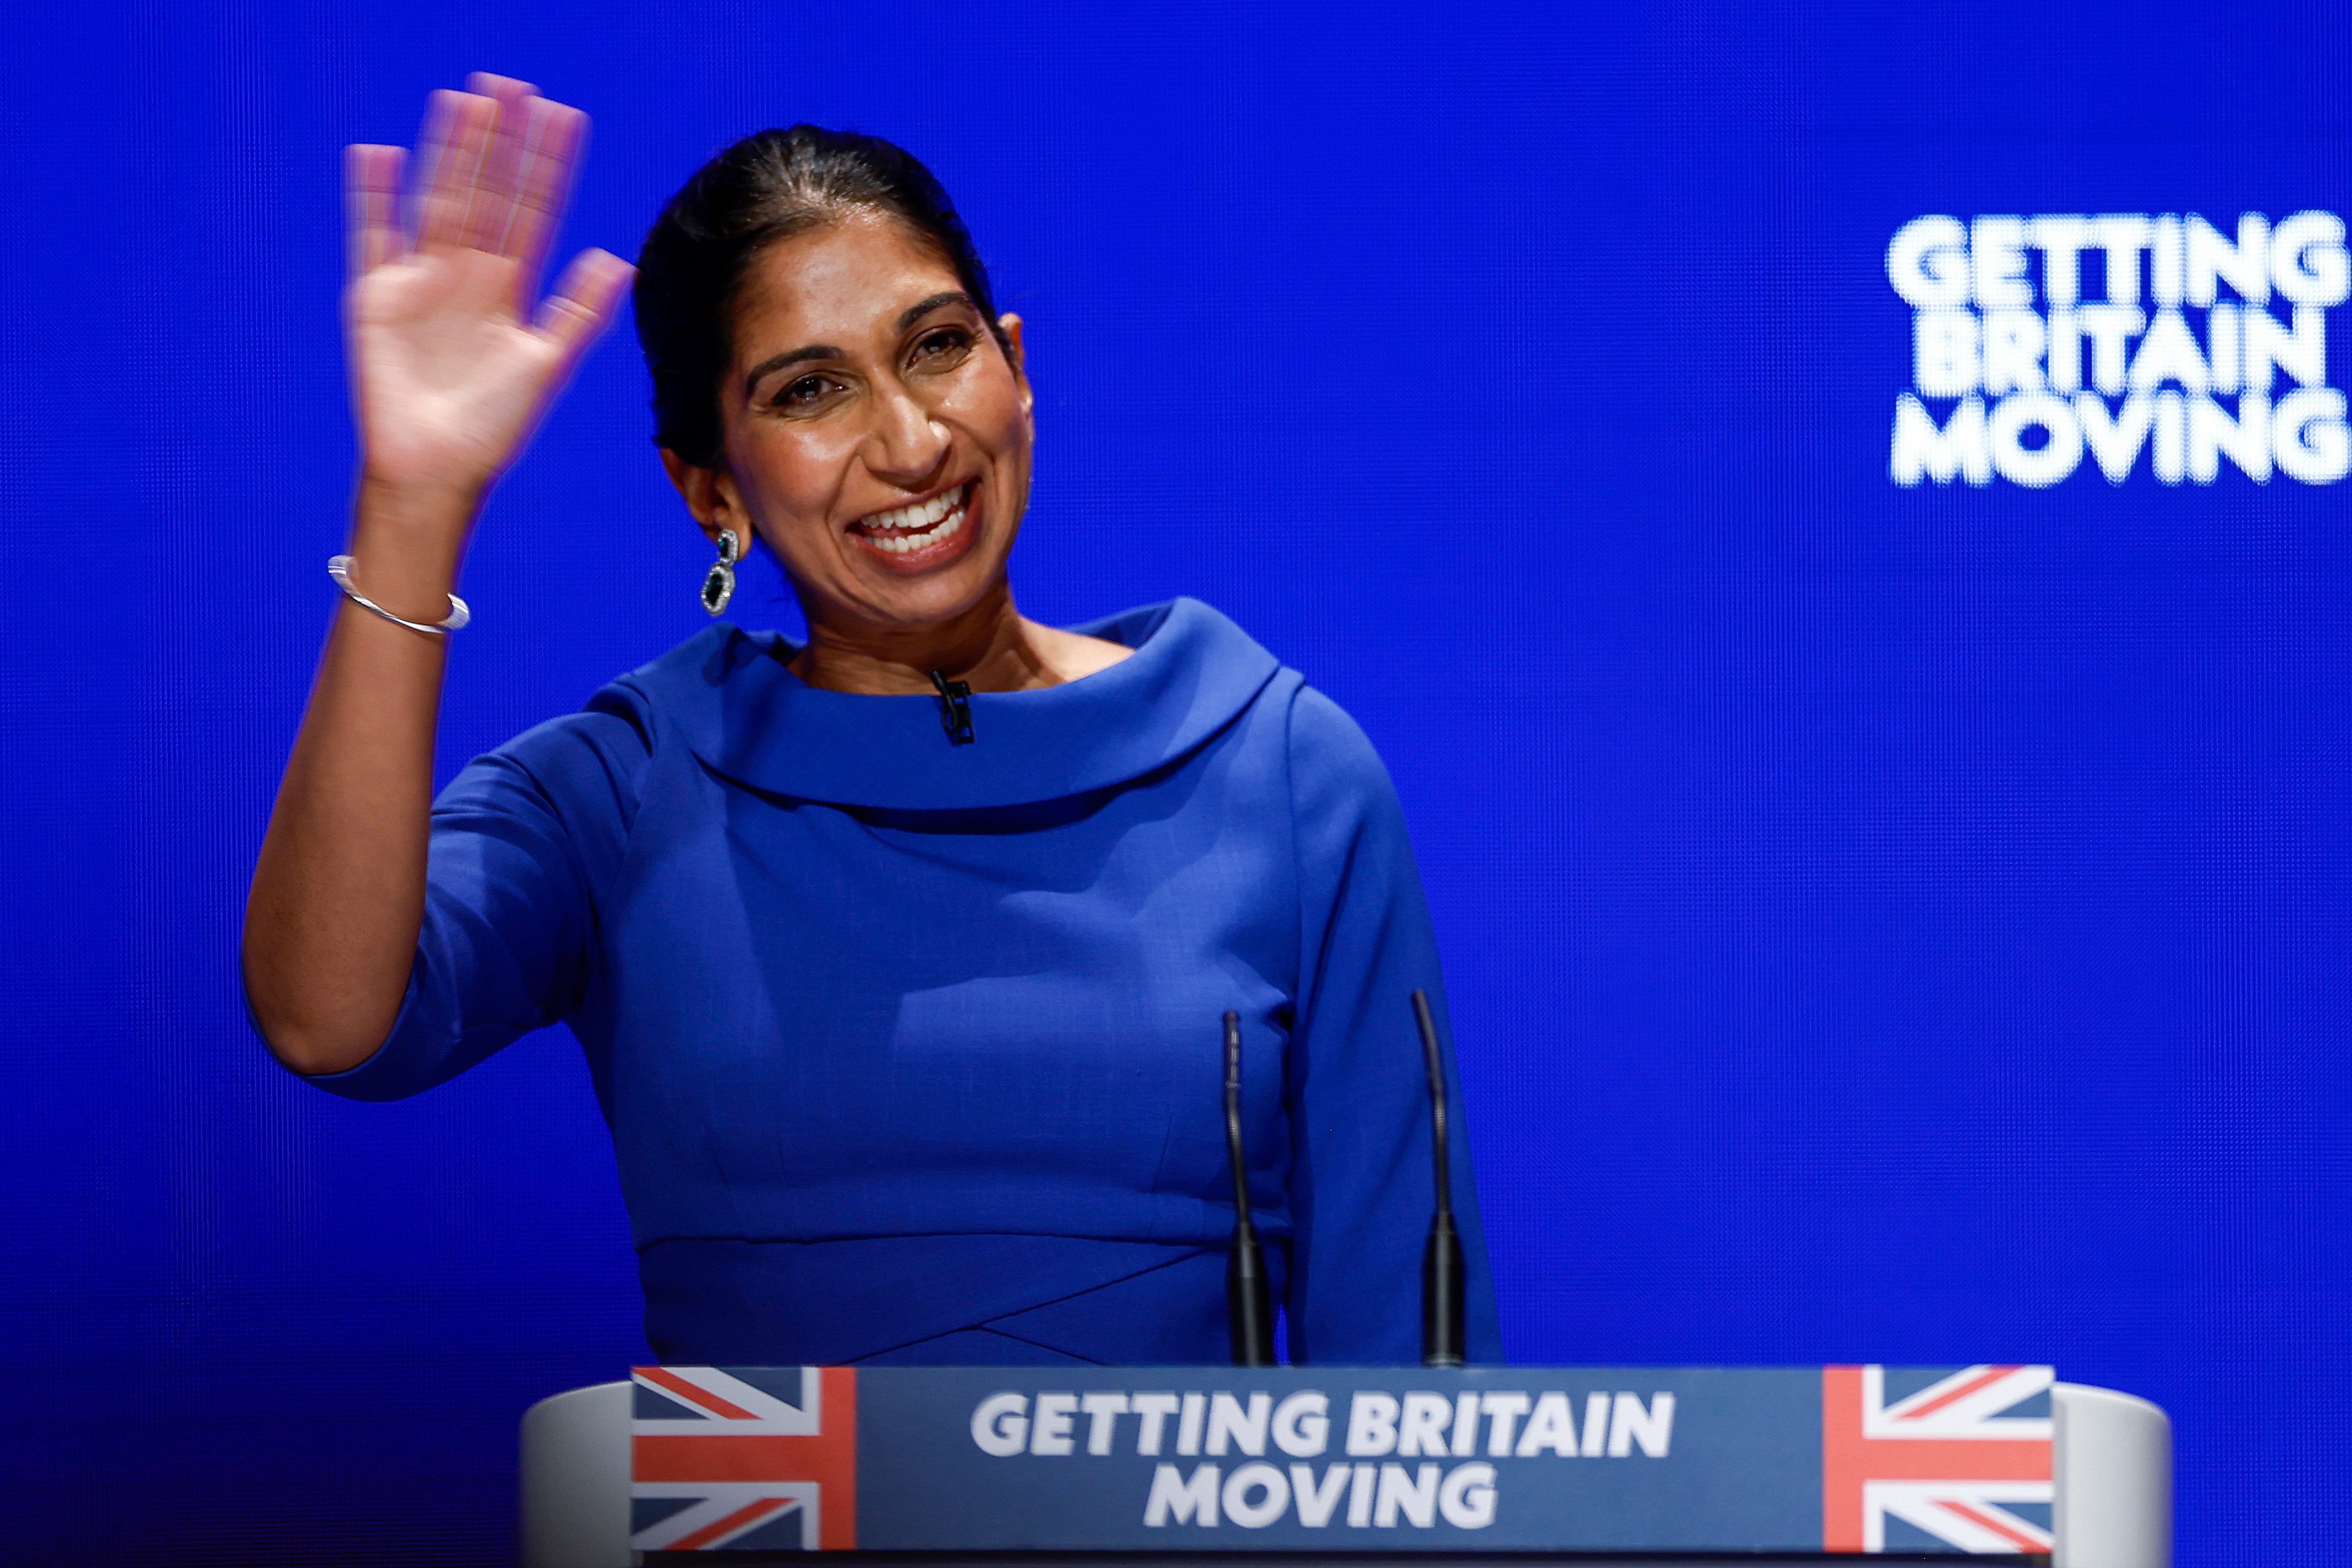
column 451, row 370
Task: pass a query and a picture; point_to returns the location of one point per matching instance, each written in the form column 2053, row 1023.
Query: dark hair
column 766, row 188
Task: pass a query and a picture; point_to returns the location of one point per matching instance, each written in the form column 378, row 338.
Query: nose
column 908, row 442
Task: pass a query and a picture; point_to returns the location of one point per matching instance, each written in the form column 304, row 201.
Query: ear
column 1012, row 325
column 710, row 495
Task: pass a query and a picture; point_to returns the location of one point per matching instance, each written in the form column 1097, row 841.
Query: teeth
column 937, row 518
column 923, row 514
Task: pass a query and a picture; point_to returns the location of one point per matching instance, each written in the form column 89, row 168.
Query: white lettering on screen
column 2053, row 342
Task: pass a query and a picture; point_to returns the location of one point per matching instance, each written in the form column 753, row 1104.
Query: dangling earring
column 719, row 583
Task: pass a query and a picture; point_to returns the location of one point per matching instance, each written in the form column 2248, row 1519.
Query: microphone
column 955, row 709
column 1249, row 1295
column 1441, row 1260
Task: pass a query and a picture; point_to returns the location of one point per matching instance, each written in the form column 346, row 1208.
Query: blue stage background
column 1891, row 924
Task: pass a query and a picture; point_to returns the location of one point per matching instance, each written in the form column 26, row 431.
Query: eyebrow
column 906, row 318
column 921, row 308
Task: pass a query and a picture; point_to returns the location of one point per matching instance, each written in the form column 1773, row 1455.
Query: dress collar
column 752, row 721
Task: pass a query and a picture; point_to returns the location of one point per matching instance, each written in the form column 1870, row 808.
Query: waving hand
column 451, row 365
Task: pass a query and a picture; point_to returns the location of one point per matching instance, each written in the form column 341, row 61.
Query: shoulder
column 1329, row 758
column 679, row 688
column 1333, row 762
column 1326, row 741
column 673, row 700
column 596, row 759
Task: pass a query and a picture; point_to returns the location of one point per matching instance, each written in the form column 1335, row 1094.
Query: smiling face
column 878, row 437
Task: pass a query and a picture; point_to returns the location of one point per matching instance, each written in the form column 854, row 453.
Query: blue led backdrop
column 1904, row 921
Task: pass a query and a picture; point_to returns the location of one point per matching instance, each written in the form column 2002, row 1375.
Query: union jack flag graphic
column 743, row 1458
column 1953, row 1463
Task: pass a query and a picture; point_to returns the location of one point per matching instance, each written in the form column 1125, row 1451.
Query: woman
column 899, row 957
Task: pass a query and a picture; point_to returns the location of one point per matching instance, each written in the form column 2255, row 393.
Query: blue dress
column 913, row 1052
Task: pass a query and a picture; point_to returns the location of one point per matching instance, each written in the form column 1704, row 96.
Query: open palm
column 452, row 367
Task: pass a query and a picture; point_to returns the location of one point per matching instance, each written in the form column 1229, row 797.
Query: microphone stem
column 1249, row 1293
column 1442, row 1270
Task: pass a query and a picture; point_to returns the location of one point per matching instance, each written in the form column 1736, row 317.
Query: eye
column 941, row 347
column 805, row 392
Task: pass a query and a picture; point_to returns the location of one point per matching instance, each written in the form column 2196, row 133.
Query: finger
column 494, row 202
column 557, row 133
column 585, row 300
column 371, row 201
column 456, row 135
column 489, row 84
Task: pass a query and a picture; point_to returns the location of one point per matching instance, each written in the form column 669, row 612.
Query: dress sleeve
column 522, row 839
column 1361, row 1187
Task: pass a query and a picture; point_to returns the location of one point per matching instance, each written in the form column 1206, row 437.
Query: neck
column 990, row 644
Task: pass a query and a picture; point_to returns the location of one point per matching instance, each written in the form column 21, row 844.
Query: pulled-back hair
column 766, row 188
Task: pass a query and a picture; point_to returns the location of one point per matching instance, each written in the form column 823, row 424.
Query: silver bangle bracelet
column 340, row 569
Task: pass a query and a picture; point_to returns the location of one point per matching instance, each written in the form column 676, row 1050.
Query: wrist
column 434, row 506
column 407, row 543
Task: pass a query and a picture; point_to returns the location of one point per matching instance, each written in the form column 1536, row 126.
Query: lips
column 921, row 533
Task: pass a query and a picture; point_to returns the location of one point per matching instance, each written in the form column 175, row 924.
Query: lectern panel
column 1362, row 1462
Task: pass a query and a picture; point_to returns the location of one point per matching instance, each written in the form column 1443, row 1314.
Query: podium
column 1096, row 1465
